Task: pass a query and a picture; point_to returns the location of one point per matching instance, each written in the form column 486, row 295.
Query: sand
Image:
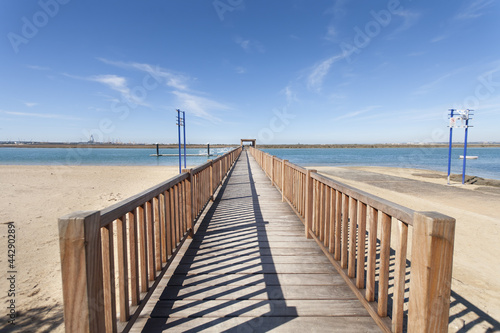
column 33, row 197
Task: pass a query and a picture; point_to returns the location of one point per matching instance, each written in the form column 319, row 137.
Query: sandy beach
column 33, row 197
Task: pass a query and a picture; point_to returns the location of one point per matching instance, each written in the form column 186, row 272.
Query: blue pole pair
column 181, row 121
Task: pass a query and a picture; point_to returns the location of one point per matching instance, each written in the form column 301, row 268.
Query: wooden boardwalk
column 249, row 268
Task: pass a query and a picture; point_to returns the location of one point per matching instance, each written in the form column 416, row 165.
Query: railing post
column 431, row 268
column 189, row 202
column 212, row 190
column 272, row 170
column 283, row 165
column 81, row 269
column 309, row 202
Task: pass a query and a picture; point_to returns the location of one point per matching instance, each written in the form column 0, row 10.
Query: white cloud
column 114, row 82
column 474, row 9
column 249, row 45
column 357, row 113
column 169, row 78
column 319, row 72
column 240, row 70
column 38, row 68
column 426, row 88
column 331, row 33
column 30, row 104
column 39, row 115
column 199, row 106
column 409, row 19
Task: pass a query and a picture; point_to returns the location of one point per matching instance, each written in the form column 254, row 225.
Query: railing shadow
column 227, row 271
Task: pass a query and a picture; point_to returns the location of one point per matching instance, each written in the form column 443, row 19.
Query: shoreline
column 262, row 146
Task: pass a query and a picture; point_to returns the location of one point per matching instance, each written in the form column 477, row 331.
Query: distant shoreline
column 276, row 146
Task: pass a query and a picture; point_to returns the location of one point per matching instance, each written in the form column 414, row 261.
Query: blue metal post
column 449, row 150
column 179, row 131
column 184, row 124
column 465, row 147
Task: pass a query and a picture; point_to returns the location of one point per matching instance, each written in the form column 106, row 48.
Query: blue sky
column 279, row 71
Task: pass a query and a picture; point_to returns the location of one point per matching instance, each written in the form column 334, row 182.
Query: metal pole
column 157, row 150
column 465, row 146
column 184, row 124
column 179, row 131
column 449, row 150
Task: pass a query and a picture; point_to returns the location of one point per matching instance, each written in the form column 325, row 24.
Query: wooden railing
column 111, row 260
column 367, row 238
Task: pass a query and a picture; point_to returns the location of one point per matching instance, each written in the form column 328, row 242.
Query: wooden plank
column 80, row 246
column 385, row 252
column 338, row 224
column 150, row 240
column 123, row 284
column 353, row 210
column 372, row 254
column 399, row 277
column 400, row 212
column 134, row 259
column 333, row 212
column 430, row 284
column 258, row 308
column 264, row 324
column 109, row 278
column 121, row 208
column 162, row 226
column 345, row 212
column 157, row 233
column 360, row 264
column 143, row 246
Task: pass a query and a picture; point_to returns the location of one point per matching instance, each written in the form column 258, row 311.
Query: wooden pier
column 251, row 243
column 250, row 268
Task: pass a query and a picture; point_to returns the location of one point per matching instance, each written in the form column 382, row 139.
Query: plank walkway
column 249, row 268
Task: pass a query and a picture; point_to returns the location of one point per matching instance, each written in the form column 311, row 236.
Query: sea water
column 487, row 165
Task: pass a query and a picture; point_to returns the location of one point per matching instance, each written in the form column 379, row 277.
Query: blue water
column 100, row 156
column 486, row 166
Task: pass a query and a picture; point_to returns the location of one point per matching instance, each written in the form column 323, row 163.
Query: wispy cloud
column 249, row 45
column 240, row 70
column 410, row 18
column 39, row 115
column 30, row 104
column 201, row 107
column 169, row 78
column 291, row 97
column 331, row 33
column 473, row 9
column 38, row 68
column 319, row 72
column 354, row 114
column 439, row 38
column 426, row 88
column 115, row 82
